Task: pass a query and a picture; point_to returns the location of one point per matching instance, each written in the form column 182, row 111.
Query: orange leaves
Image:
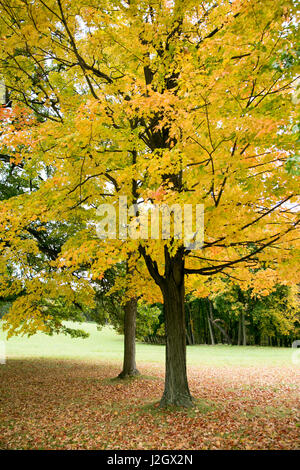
column 16, row 130
column 157, row 195
column 266, row 127
column 45, row 403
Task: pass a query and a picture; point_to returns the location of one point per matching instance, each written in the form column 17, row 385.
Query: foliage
column 148, row 321
column 26, row 289
column 185, row 103
column 270, row 319
column 275, row 315
column 278, row 314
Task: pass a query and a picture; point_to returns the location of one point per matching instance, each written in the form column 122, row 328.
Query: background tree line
column 233, row 316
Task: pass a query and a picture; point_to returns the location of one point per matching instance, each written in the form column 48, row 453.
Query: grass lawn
column 61, row 393
column 108, row 346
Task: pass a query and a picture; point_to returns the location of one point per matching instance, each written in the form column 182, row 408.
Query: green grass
column 106, row 345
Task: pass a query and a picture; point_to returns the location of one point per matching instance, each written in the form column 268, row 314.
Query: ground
column 60, row 393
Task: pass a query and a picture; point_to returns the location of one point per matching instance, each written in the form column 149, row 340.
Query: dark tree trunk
column 176, row 384
column 129, row 365
column 172, row 287
column 240, row 330
column 244, row 330
column 189, row 329
column 210, row 319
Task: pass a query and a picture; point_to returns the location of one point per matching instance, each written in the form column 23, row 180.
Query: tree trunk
column 189, row 329
column 240, row 330
column 129, row 365
column 224, row 333
column 176, row 384
column 210, row 323
column 244, row 330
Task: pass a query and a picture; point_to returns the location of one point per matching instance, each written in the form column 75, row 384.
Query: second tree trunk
column 129, row 365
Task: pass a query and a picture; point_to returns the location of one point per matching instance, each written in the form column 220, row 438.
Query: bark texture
column 129, row 364
column 176, row 390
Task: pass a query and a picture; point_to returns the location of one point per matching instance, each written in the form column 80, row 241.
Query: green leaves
column 293, row 165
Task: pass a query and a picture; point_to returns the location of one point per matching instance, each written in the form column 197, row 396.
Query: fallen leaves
column 48, row 404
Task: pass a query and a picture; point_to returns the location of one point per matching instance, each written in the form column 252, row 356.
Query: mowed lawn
column 107, row 345
column 61, row 393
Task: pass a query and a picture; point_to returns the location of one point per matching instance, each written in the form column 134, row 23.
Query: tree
column 274, row 314
column 41, row 242
column 118, row 310
column 178, row 102
column 17, row 179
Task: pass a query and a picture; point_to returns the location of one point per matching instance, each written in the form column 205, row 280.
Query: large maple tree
column 172, row 102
